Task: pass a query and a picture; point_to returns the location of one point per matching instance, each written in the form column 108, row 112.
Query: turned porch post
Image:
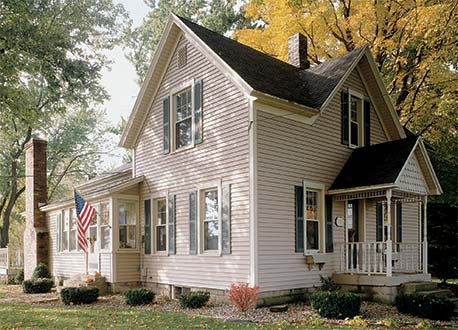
column 425, row 237
column 389, row 241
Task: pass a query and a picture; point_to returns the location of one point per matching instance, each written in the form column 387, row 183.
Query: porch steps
column 417, row 287
column 439, row 293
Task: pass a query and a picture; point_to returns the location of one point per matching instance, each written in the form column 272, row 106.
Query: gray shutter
column 367, row 123
column 344, row 106
column 59, row 233
column 379, row 222
column 193, row 223
column 198, row 122
column 399, row 222
column 147, row 210
column 299, row 214
column 226, row 219
column 329, row 236
column 171, row 224
column 166, row 124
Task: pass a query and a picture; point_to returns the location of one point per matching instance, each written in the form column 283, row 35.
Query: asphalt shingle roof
column 309, row 87
column 374, row 165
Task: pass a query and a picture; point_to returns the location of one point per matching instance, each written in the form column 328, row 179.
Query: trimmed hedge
column 38, row 285
column 139, row 296
column 19, row 278
column 81, row 295
column 425, row 306
column 336, row 304
column 195, row 299
column 41, row 271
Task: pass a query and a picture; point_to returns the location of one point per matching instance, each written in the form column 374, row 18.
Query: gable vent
column 182, row 56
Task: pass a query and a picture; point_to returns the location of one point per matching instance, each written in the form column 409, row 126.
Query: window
column 104, row 218
column 73, row 230
column 356, row 113
column 210, row 219
column 65, row 231
column 183, row 119
column 356, row 118
column 312, row 220
column 92, row 232
column 161, row 224
column 127, row 216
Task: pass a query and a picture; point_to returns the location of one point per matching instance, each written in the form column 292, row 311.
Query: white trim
column 184, row 86
column 424, row 152
column 202, row 188
column 278, row 112
column 363, row 188
column 320, row 189
column 154, row 221
column 253, row 225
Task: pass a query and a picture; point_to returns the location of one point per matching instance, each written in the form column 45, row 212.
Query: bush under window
column 336, row 304
column 140, row 296
column 37, row 285
column 41, row 271
column 81, row 295
column 425, row 306
column 196, row 299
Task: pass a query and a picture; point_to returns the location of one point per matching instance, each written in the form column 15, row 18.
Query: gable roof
column 255, row 73
column 381, row 165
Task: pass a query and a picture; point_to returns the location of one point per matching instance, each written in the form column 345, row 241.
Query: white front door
column 93, row 250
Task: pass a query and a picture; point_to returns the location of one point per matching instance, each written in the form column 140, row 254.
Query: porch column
column 389, row 241
column 425, row 237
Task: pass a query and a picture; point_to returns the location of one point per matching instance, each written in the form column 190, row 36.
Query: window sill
column 128, row 251
column 183, row 149
column 210, row 253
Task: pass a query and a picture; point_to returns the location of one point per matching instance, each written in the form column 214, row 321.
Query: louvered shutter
column 193, row 223
column 198, row 120
column 329, row 235
column 344, row 104
column 226, row 219
column 299, row 214
column 379, row 222
column 166, row 124
column 367, row 123
column 399, row 222
column 59, row 233
column 147, row 211
column 171, row 224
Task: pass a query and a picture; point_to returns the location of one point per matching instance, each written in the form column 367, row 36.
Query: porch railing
column 11, row 258
column 372, row 257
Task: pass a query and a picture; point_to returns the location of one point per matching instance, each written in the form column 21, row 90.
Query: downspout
column 252, row 134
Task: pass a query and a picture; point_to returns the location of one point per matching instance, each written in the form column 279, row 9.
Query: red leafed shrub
column 242, row 296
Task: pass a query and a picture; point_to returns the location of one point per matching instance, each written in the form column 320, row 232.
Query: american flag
column 84, row 213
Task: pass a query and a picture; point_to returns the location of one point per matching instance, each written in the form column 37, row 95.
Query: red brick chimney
column 36, row 235
column 297, row 51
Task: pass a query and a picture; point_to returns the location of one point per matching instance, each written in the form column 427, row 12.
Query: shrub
column 19, row 278
column 41, row 271
column 425, row 306
column 328, row 284
column 37, row 285
column 196, row 299
column 140, row 296
column 336, row 304
column 81, row 295
column 243, row 297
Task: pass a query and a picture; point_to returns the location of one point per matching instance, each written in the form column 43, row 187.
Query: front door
column 353, row 231
column 93, row 250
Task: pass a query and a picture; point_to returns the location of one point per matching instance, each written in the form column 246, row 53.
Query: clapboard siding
column 127, row 267
column 289, row 152
column 223, row 155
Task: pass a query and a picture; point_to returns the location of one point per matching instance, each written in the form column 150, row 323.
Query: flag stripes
column 84, row 214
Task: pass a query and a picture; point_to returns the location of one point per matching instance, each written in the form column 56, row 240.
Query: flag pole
column 86, row 257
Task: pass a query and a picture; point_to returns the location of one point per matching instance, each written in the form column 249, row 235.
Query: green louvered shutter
column 399, row 222
column 379, row 222
column 367, row 123
column 198, row 120
column 329, row 236
column 147, row 210
column 59, row 232
column 166, row 124
column 344, row 104
column 193, row 223
column 226, row 219
column 299, row 214
column 172, row 227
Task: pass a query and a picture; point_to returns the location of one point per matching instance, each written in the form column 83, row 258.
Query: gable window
column 161, row 224
column 127, row 217
column 355, row 119
column 183, row 119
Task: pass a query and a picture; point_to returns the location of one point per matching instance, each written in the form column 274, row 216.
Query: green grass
column 22, row 316
column 2, row 294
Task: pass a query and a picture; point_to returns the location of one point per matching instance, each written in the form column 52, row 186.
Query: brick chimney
column 36, row 235
column 297, row 51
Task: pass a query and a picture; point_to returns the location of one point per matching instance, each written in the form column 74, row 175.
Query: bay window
column 127, row 219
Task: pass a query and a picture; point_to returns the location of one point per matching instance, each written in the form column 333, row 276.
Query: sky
column 120, row 80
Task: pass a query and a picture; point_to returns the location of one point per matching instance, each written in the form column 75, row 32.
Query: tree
column 414, row 44
column 218, row 15
column 50, row 71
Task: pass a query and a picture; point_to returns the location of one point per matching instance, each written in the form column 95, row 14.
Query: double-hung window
column 312, row 212
column 210, row 219
column 105, row 229
column 183, row 119
column 65, row 231
column 160, row 222
column 127, row 217
column 356, row 112
column 355, row 120
column 73, row 230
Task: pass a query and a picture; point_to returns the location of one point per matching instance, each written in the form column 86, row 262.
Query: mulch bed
column 298, row 313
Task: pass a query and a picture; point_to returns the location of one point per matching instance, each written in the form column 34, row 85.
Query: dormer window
column 355, row 128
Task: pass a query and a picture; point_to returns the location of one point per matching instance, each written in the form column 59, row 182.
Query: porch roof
column 383, row 165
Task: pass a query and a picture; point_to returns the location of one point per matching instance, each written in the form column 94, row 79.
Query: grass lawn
column 23, row 316
column 2, row 294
